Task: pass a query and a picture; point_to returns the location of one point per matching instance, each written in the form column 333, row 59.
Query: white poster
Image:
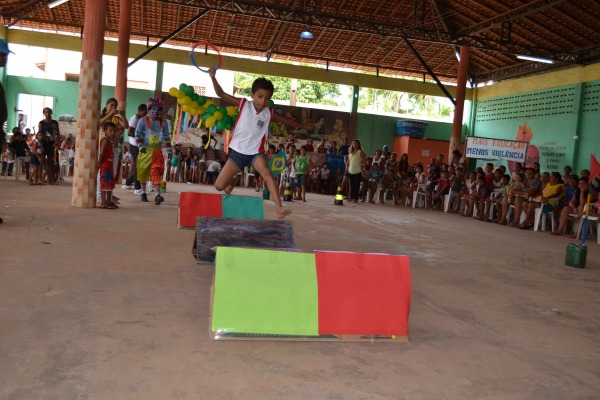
column 496, row 149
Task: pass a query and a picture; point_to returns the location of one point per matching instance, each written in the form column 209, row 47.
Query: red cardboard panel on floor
column 363, row 294
column 192, row 205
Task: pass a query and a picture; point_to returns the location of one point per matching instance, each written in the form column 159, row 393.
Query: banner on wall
column 496, row 149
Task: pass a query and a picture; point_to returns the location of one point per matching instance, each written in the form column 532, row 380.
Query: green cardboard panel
column 243, row 207
column 265, row 292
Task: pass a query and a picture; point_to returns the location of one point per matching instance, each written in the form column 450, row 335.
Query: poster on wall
column 327, row 124
column 496, row 149
column 550, row 152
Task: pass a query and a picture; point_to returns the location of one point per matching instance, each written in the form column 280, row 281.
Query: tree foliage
column 369, row 99
column 306, row 92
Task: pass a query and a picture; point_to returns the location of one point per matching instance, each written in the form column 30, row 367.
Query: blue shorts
column 300, row 180
column 453, row 196
column 34, row 160
column 243, row 160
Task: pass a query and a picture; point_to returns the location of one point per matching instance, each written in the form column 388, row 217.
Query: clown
column 151, row 133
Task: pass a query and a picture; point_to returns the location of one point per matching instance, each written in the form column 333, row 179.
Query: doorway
column 29, row 110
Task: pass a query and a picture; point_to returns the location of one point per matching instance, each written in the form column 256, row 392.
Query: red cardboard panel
column 192, row 205
column 363, row 294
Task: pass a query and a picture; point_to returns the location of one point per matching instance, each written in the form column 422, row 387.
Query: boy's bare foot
column 282, row 212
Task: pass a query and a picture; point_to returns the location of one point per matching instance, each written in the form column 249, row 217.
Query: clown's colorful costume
column 150, row 134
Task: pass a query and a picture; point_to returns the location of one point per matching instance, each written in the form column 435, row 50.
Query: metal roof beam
column 430, row 72
column 257, row 9
column 511, row 15
column 171, row 35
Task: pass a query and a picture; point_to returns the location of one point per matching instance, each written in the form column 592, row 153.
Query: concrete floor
column 102, row 304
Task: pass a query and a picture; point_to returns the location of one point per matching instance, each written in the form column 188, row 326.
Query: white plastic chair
column 542, row 217
column 511, row 210
column 63, row 164
column 420, row 192
column 246, row 175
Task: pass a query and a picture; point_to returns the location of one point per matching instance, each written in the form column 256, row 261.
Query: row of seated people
column 494, row 196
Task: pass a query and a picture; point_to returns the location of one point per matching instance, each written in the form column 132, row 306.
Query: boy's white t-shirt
column 133, row 121
column 251, row 129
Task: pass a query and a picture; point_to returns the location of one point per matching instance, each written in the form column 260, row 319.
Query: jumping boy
column 248, row 138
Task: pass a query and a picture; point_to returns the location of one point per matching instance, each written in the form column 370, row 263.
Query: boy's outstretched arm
column 219, row 90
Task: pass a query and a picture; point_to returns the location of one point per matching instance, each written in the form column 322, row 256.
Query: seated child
column 497, row 197
column 457, row 186
column 313, row 178
column 374, row 178
column 515, row 186
column 364, row 179
column 386, row 184
column 324, row 180
column 443, row 189
column 468, row 188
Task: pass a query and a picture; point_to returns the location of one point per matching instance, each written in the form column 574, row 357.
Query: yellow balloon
column 194, row 111
column 187, row 100
column 180, row 101
column 179, row 94
column 173, row 91
column 201, row 110
column 231, row 111
column 208, row 103
column 210, row 122
column 218, row 115
column 186, row 108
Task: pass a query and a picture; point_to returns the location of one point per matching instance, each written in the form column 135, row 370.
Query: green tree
column 244, row 82
column 307, row 91
column 318, row 93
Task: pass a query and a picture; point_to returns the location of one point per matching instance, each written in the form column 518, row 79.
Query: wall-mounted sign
column 496, row 149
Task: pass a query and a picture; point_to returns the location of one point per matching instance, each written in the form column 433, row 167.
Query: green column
column 355, row 92
column 577, row 128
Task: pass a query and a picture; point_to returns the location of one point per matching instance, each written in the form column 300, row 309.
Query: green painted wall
column 376, row 130
column 549, row 120
column 65, row 96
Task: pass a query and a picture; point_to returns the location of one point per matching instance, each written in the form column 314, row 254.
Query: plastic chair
column 542, row 217
column 590, row 218
column 511, row 210
column 63, row 164
column 420, row 192
column 247, row 175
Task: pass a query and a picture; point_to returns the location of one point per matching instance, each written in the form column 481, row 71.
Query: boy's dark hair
column 109, row 124
column 461, row 169
column 521, row 175
column 506, row 176
column 324, row 164
column 369, row 158
column 272, row 147
column 142, row 107
column 303, row 148
column 204, row 139
column 262, row 83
